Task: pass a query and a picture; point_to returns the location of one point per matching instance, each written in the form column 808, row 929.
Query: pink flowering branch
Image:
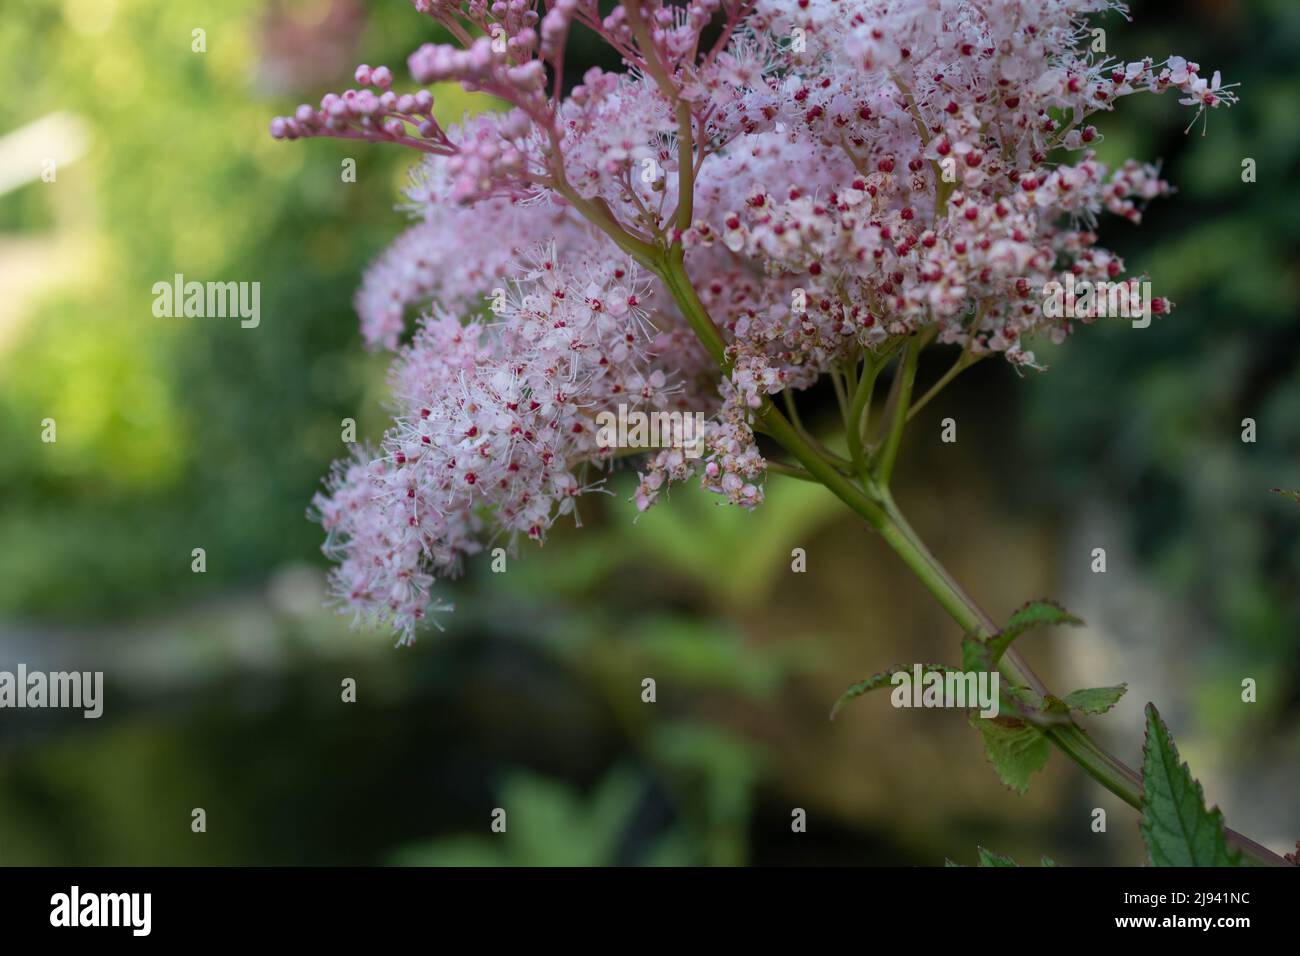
column 828, row 189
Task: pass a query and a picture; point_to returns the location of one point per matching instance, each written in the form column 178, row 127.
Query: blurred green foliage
column 1151, row 421
column 561, row 829
column 178, row 433
column 556, row 826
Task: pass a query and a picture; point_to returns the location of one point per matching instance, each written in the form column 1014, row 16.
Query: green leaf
column 1095, row 700
column 1293, row 495
column 1034, row 614
column 1015, row 749
column 989, row 858
column 1042, row 613
column 876, row 681
column 1177, row 828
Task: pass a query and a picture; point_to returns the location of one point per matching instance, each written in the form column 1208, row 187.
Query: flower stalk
column 870, row 498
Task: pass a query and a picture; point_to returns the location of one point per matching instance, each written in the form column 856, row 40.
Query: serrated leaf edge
column 1146, row 823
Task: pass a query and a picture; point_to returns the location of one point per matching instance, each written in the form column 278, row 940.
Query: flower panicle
column 831, row 177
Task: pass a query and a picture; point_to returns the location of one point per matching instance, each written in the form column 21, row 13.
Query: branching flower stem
column 870, row 498
column 859, row 409
column 901, row 397
column 964, row 361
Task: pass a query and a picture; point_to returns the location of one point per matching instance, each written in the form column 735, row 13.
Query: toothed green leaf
column 1177, row 828
column 1034, row 614
column 1095, row 700
column 876, row 681
column 1039, row 614
column 989, row 858
column 1015, row 749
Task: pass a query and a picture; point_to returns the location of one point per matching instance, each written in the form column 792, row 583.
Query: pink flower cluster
column 493, row 420
column 833, row 176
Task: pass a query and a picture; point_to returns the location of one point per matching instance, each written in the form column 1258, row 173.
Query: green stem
column 791, row 471
column 880, row 511
column 790, row 408
column 858, row 412
column 884, row 467
column 824, row 471
column 685, row 168
column 841, row 392
column 597, row 212
column 872, row 501
column 1069, row 738
column 673, row 271
column 964, row 361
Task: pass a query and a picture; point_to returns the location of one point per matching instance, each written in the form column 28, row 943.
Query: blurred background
column 223, row 688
